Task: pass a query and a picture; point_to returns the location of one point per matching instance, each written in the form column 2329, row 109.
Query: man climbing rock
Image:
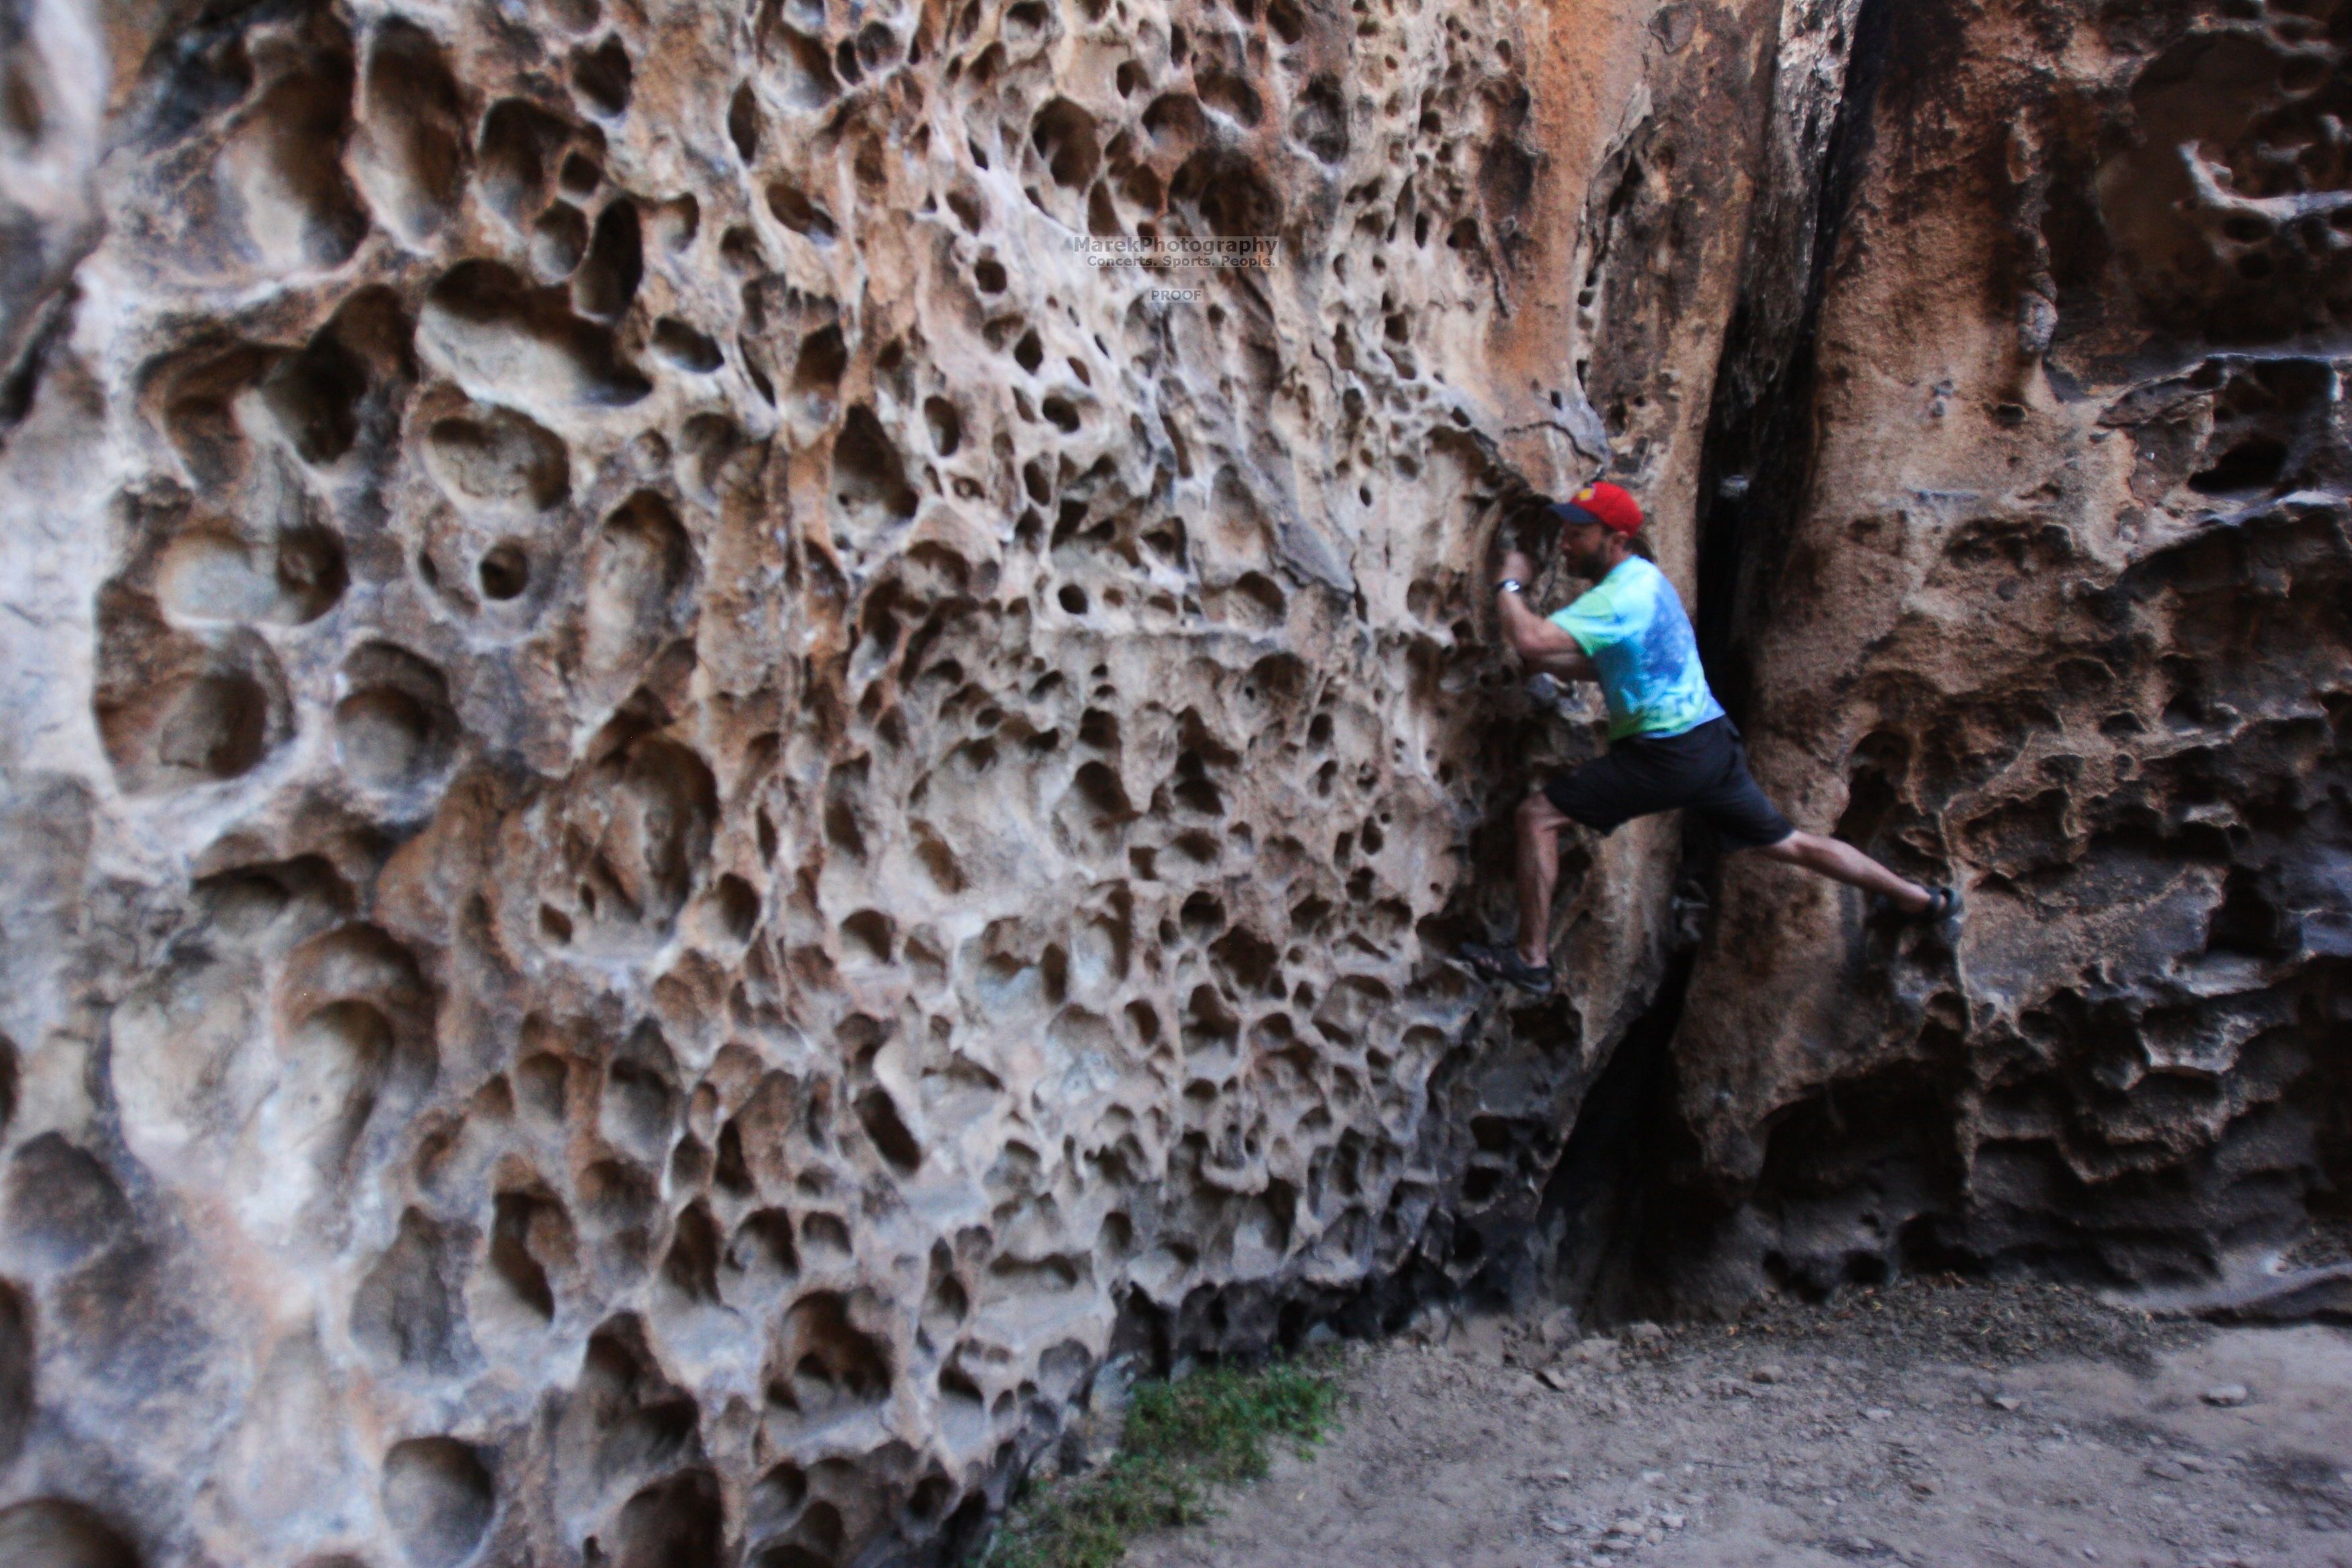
column 1671, row 746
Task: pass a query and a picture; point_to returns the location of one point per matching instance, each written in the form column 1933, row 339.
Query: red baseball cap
column 1604, row 503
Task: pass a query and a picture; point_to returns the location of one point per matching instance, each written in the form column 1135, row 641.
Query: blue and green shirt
column 1631, row 626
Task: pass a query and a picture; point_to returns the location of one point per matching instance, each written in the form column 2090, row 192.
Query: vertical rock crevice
column 1757, row 458
column 669, row 772
column 2036, row 617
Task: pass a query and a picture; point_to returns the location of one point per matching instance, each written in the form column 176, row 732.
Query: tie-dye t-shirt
column 1631, row 626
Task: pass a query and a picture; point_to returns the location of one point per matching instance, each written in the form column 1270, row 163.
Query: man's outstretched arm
column 1540, row 645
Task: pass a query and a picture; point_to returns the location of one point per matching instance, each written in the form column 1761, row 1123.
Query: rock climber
column 1670, row 745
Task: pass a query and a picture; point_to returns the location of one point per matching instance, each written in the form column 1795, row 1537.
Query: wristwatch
column 1510, row 584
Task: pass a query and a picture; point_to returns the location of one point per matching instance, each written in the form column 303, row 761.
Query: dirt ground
column 1952, row 1425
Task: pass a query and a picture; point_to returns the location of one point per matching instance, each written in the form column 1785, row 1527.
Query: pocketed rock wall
column 2059, row 611
column 687, row 818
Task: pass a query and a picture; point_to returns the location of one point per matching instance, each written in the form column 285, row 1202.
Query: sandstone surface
column 689, row 815
column 2057, row 608
column 686, row 817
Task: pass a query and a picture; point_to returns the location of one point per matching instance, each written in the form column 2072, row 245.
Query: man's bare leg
column 1829, row 857
column 1539, row 823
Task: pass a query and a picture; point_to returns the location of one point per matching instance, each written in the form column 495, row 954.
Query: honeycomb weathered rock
column 2059, row 609
column 687, row 814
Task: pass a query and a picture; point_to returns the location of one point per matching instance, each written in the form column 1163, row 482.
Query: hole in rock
column 1174, row 118
column 791, row 1554
column 498, row 332
column 279, row 165
column 209, row 574
column 637, row 568
column 636, row 1111
column 437, row 1499
column 382, row 734
column 1203, row 917
column 339, row 1058
column 314, row 396
column 2254, row 463
column 61, row 1204
column 395, row 726
column 684, row 347
column 617, row 1200
column 945, row 425
column 930, row 1498
column 214, row 726
column 831, row 1358
column 822, row 357
column 1249, row 959
column 1063, row 135
column 739, row 907
column 1229, row 193
column 404, row 1313
column 608, row 279
column 743, row 124
column 51, row 1532
column 180, row 711
column 826, row 1237
column 867, row 475
column 879, row 1114
column 691, row 1267
column 580, row 177
column 518, row 146
column 525, row 1228
column 1319, row 122
column 495, row 457
column 540, row 1083
column 803, row 70
column 1230, row 95
column 797, row 212
column 603, row 76
column 762, row 1255
column 867, row 936
column 877, row 47
column 775, row 1499
column 679, row 1522
column 558, row 239
column 409, row 157
column 504, row 571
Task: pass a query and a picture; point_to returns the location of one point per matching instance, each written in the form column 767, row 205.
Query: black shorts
column 1703, row 770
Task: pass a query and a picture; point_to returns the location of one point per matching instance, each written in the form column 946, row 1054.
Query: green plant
column 1182, row 1440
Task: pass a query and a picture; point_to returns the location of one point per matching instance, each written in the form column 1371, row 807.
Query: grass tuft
column 1182, row 1440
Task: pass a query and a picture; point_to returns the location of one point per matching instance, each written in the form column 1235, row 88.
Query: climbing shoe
column 1943, row 911
column 1501, row 961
